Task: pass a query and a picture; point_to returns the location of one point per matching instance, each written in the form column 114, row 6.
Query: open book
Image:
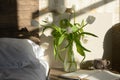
column 91, row 75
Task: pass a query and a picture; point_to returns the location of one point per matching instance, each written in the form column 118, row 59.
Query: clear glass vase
column 70, row 64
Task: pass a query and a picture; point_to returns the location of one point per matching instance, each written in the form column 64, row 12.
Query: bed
column 22, row 59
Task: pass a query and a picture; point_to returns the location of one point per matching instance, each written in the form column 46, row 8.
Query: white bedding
column 21, row 59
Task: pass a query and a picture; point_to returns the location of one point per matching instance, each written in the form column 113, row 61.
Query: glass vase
column 70, row 64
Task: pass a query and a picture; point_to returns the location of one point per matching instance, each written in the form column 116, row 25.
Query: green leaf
column 83, row 59
column 84, row 48
column 80, row 50
column 82, row 23
column 55, row 50
column 87, row 33
column 67, row 45
column 59, row 56
column 77, row 24
column 70, row 53
column 70, row 37
column 55, row 34
column 77, row 41
column 74, row 28
column 57, row 28
column 61, row 39
column 82, row 36
column 64, row 23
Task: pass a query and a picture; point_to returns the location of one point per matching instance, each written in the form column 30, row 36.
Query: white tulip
column 48, row 32
column 49, row 19
column 90, row 19
column 73, row 7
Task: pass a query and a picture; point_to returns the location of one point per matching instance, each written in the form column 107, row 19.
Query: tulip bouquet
column 64, row 35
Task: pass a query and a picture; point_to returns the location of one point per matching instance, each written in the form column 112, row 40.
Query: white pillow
column 16, row 53
column 38, row 50
column 18, row 58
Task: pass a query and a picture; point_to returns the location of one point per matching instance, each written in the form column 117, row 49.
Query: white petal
column 90, row 19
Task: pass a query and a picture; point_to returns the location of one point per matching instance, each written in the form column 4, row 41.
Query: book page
column 92, row 75
column 103, row 75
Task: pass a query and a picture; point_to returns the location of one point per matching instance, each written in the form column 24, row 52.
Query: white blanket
column 20, row 59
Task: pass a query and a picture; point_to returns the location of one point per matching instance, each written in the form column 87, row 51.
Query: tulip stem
column 82, row 27
column 74, row 16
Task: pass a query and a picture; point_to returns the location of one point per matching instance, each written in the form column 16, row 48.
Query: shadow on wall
column 93, row 6
column 8, row 14
column 112, row 46
column 8, row 18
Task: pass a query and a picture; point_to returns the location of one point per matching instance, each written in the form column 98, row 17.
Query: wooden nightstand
column 54, row 73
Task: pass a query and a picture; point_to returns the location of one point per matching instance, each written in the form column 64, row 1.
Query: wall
column 26, row 11
column 18, row 13
column 8, row 13
column 106, row 13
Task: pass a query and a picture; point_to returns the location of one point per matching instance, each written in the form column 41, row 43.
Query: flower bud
column 73, row 7
column 90, row 19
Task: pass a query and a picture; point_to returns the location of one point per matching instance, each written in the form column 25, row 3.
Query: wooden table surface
column 56, row 72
